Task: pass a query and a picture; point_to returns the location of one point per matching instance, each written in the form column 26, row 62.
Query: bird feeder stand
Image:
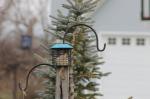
column 61, row 62
column 61, row 59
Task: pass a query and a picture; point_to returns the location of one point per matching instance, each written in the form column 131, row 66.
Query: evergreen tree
column 86, row 61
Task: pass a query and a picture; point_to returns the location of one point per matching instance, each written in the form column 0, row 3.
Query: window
column 140, row 41
column 111, row 41
column 145, row 9
column 126, row 41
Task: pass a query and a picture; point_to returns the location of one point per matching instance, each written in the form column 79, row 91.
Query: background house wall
column 130, row 67
column 120, row 15
column 129, row 64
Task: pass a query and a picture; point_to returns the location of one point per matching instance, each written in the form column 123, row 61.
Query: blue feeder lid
column 61, row 46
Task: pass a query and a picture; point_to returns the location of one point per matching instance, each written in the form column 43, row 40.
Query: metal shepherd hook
column 97, row 41
column 28, row 76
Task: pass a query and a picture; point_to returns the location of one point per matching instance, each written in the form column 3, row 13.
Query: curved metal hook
column 97, row 43
column 27, row 78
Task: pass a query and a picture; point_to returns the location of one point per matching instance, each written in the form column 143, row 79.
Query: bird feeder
column 61, row 54
column 26, row 42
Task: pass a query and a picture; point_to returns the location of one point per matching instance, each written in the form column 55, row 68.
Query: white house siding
column 130, row 67
column 130, row 73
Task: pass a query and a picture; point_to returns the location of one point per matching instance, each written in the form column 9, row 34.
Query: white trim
column 103, row 33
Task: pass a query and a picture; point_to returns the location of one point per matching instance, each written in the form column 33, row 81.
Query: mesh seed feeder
column 61, row 54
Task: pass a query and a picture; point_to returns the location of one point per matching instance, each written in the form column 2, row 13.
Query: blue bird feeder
column 61, row 54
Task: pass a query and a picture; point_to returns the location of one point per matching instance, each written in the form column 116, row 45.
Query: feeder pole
column 61, row 59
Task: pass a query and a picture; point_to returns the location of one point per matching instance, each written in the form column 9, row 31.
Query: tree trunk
column 71, row 76
column 15, row 83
